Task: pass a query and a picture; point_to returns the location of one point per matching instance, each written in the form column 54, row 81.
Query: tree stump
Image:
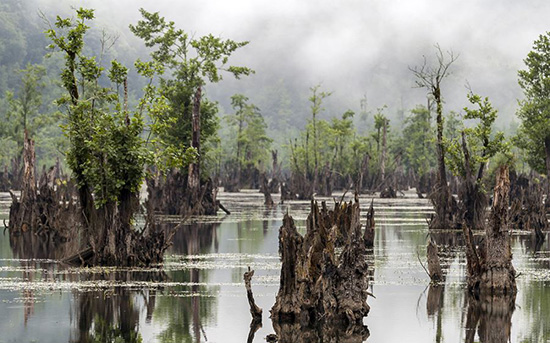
column 317, row 286
column 434, row 266
column 369, row 228
column 489, row 267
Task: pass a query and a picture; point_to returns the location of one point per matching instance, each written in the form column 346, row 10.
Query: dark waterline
column 198, row 294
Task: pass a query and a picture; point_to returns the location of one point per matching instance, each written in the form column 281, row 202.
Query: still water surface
column 198, row 294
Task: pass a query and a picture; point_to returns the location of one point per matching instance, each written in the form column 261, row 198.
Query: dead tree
column 318, row 286
column 489, row 267
column 528, row 210
column 369, row 228
column 255, row 311
column 434, row 266
column 264, row 188
column 431, row 77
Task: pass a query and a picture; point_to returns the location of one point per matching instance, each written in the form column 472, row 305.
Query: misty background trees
column 373, row 124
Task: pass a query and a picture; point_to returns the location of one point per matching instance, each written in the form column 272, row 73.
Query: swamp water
column 199, row 296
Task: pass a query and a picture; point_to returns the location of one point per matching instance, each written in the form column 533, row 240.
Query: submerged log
column 317, row 286
column 489, row 267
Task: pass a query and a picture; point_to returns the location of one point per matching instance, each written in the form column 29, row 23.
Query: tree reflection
column 108, row 318
column 490, row 317
column 297, row 333
column 184, row 313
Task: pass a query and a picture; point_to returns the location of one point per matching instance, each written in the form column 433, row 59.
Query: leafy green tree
column 381, row 123
column 106, row 153
column 341, row 135
column 24, row 108
column 469, row 155
column 252, row 142
column 534, row 111
column 316, row 100
column 192, row 62
column 418, row 137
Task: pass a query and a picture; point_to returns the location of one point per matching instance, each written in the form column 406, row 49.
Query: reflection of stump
column 317, row 286
column 491, row 318
column 434, row 302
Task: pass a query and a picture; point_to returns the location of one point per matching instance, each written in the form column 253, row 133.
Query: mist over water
column 354, row 48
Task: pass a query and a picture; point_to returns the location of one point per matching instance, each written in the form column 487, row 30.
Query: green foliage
column 252, row 142
column 192, row 62
column 482, row 143
column 418, row 141
column 534, row 112
column 26, row 109
column 106, row 152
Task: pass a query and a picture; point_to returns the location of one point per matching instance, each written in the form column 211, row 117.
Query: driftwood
column 369, row 228
column 255, row 311
column 317, row 285
column 489, row 267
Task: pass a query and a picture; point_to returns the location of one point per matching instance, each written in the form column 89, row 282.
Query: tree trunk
column 383, row 155
column 369, row 227
column 547, row 154
column 317, row 286
column 441, row 197
column 193, row 183
column 490, row 270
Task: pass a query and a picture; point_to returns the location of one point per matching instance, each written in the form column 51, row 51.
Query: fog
column 353, row 48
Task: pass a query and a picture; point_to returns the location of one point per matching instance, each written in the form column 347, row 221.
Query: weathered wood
column 255, row 311
column 489, row 267
column 317, row 285
column 434, row 266
column 264, row 188
column 369, row 227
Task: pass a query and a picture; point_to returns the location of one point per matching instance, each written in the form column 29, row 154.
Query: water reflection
column 112, row 317
column 200, row 296
column 296, row 333
column 491, row 318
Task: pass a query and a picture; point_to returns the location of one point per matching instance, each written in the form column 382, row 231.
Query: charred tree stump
column 317, row 286
column 369, row 228
column 255, row 311
column 489, row 267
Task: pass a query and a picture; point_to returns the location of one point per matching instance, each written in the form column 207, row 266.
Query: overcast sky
column 359, row 47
